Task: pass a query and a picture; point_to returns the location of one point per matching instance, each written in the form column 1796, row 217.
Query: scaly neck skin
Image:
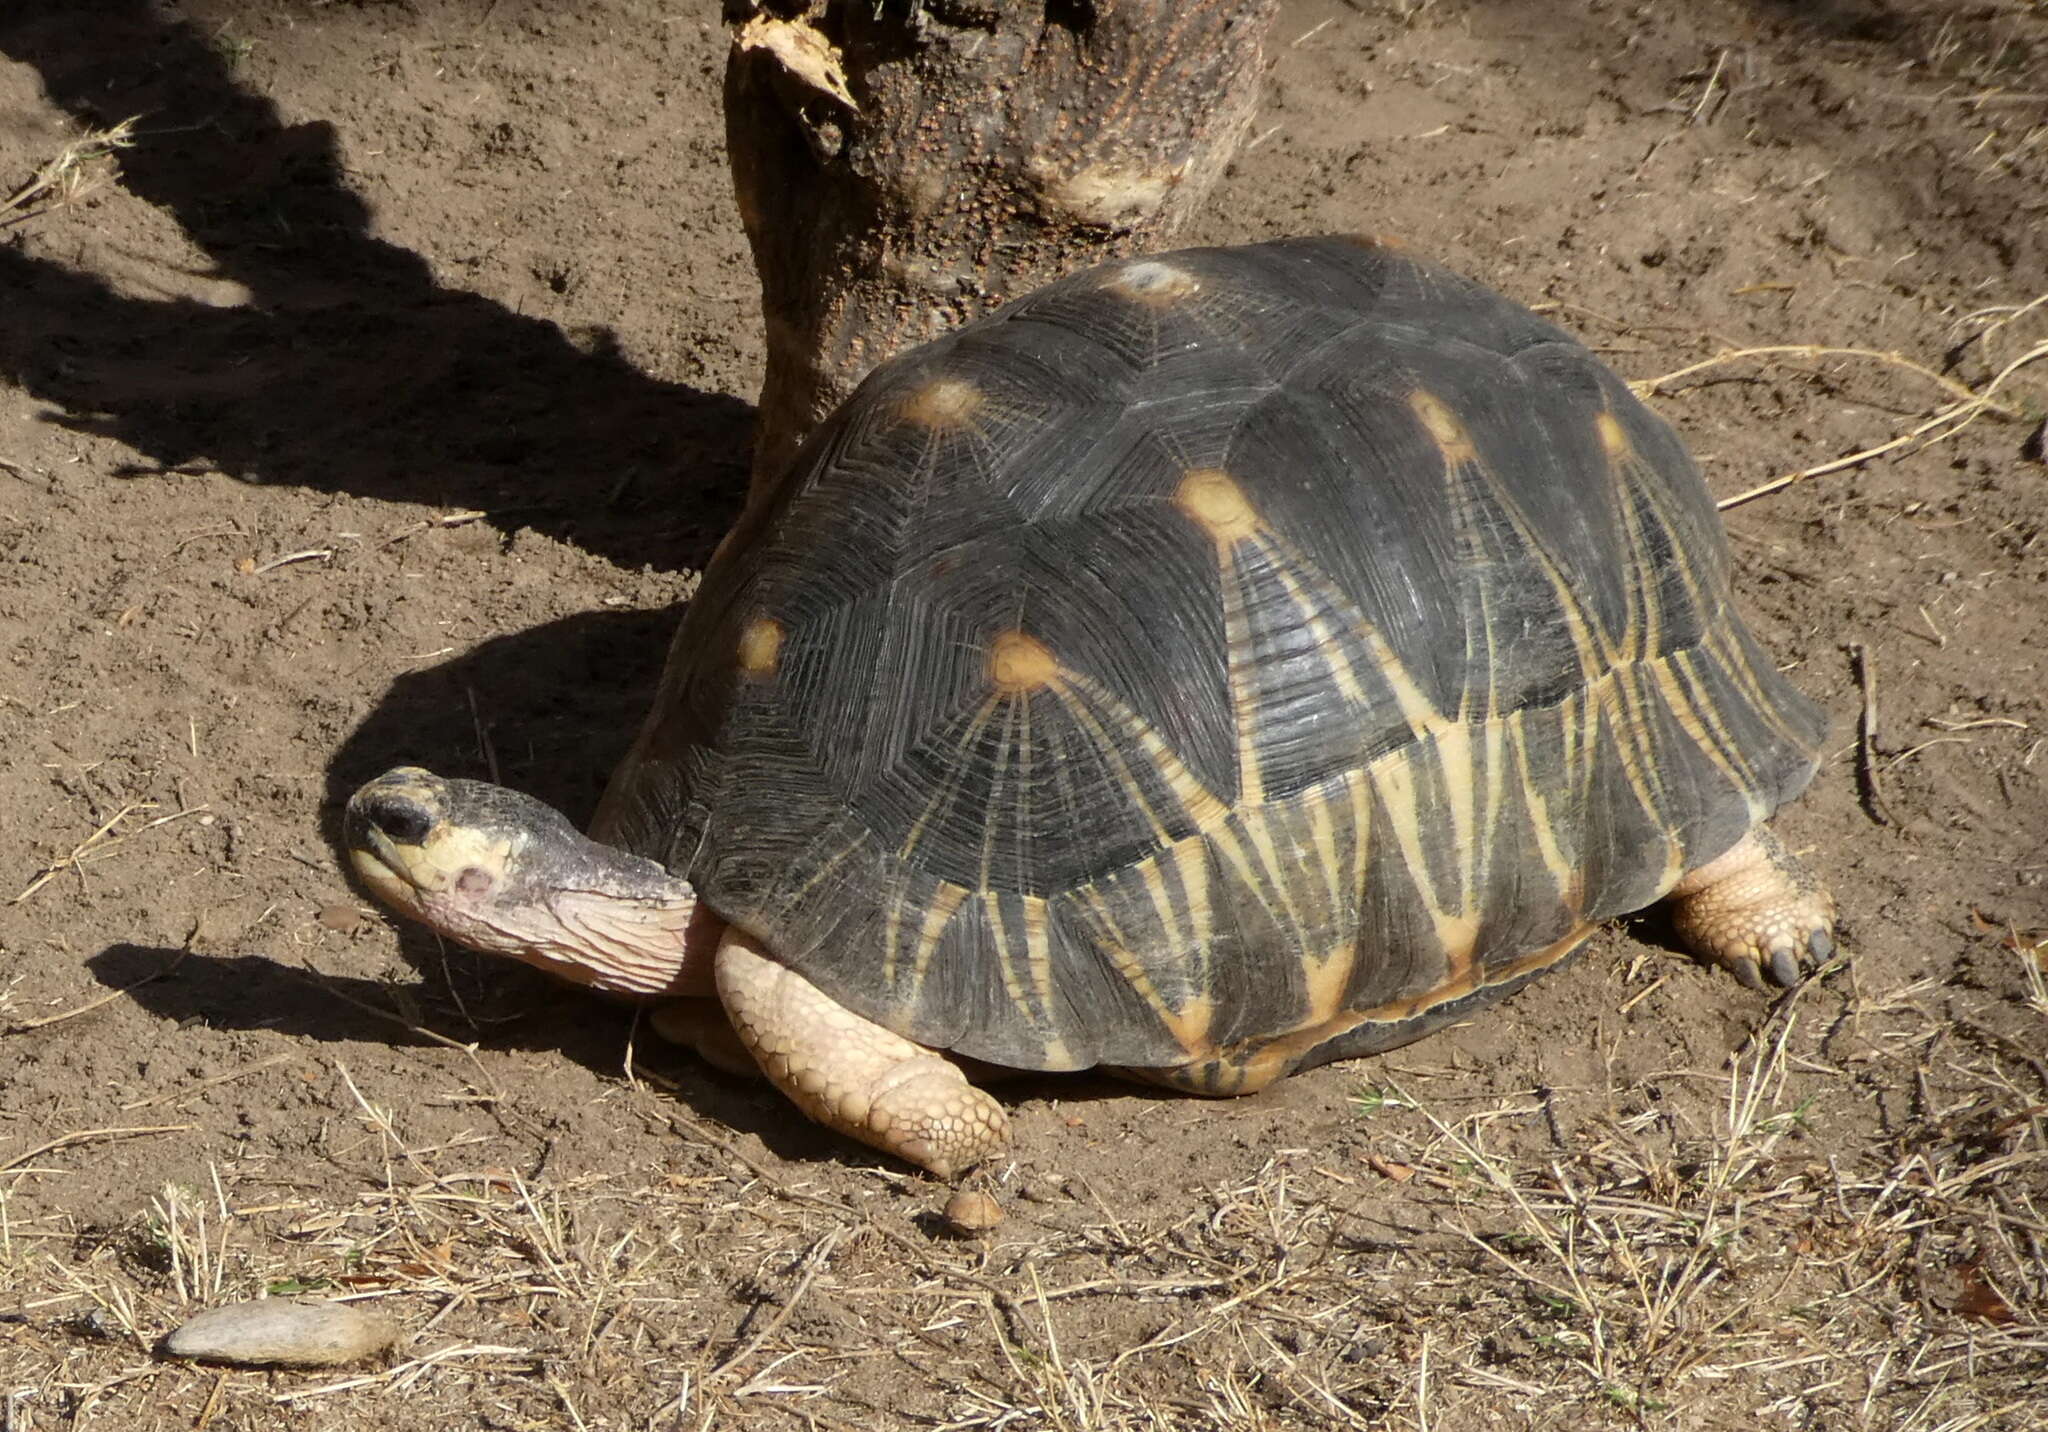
column 641, row 946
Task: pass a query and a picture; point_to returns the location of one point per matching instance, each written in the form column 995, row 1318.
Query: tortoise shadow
column 509, row 1009
column 549, row 710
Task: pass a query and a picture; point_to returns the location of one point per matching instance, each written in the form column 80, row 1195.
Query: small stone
column 342, row 919
column 281, row 1332
column 971, row 1213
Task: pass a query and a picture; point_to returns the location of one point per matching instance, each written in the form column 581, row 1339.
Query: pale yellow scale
column 760, row 646
column 943, row 403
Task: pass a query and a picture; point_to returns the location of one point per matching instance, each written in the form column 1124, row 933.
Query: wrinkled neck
column 658, row 943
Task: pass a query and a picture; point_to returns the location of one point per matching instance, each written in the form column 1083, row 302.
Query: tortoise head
column 501, row 872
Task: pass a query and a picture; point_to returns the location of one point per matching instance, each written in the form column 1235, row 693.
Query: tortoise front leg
column 853, row 1075
column 1756, row 910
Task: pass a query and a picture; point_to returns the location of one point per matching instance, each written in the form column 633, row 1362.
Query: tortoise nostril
column 405, row 821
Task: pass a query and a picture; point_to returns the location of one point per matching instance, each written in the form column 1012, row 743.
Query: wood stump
column 902, row 166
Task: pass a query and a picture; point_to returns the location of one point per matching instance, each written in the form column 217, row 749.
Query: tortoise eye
column 474, row 880
column 405, row 821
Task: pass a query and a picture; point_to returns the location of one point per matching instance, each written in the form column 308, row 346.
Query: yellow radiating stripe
column 1153, row 877
column 1480, row 870
column 1453, row 747
column 1189, row 1024
column 1237, row 663
column 1417, row 709
column 995, row 794
column 1201, row 806
column 1643, row 625
column 1597, row 663
column 1322, row 827
column 1099, row 908
column 1696, row 722
column 1033, row 962
column 1630, row 738
column 1006, row 960
column 1561, row 870
column 944, row 794
column 1254, row 1063
column 1359, row 784
column 1282, row 555
column 1258, row 825
column 1328, row 975
column 1327, row 979
column 1225, row 840
column 938, row 913
column 1106, row 744
column 827, row 866
column 1038, row 960
column 1394, row 779
column 1395, row 782
column 1689, row 666
column 1744, row 678
column 892, row 925
column 1717, row 638
column 1191, row 867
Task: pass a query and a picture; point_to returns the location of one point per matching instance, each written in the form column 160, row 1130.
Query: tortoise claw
column 1745, row 972
column 1785, row 967
column 1757, row 913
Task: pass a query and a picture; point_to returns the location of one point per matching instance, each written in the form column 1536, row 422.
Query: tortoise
column 1207, row 666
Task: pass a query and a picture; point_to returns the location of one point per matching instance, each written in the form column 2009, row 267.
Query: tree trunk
column 902, row 166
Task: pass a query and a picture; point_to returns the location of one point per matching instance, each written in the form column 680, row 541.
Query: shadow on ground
column 350, row 369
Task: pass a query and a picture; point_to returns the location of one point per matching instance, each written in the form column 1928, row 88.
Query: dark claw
column 1821, row 943
column 1784, row 968
column 1746, row 972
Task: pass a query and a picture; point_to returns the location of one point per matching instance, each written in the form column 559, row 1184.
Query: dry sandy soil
column 378, row 399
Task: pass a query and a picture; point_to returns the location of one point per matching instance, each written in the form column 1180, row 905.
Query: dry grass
column 80, row 167
column 1941, row 425
column 1434, row 1266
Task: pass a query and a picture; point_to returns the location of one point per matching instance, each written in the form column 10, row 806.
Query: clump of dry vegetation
column 1453, row 1254
column 80, row 167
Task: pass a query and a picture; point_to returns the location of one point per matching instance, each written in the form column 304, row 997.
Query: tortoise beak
column 404, row 841
column 386, row 828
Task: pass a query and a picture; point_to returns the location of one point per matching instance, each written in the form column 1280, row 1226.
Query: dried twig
column 108, row 998
column 92, row 1136
column 1651, row 387
column 66, row 178
column 1874, row 803
column 819, row 1254
column 1953, row 419
column 101, row 842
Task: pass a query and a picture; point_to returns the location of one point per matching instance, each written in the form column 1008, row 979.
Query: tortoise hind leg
column 1756, row 912
column 853, row 1075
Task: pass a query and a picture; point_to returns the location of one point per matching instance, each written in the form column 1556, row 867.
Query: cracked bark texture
column 902, row 168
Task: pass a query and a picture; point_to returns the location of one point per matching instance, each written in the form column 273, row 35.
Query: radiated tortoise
column 1206, row 667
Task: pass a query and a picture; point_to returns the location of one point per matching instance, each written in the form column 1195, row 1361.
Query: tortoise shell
column 1212, row 664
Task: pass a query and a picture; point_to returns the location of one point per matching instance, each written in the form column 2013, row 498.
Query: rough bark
column 902, row 167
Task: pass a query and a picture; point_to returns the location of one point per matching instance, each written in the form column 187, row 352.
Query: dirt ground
column 376, row 403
